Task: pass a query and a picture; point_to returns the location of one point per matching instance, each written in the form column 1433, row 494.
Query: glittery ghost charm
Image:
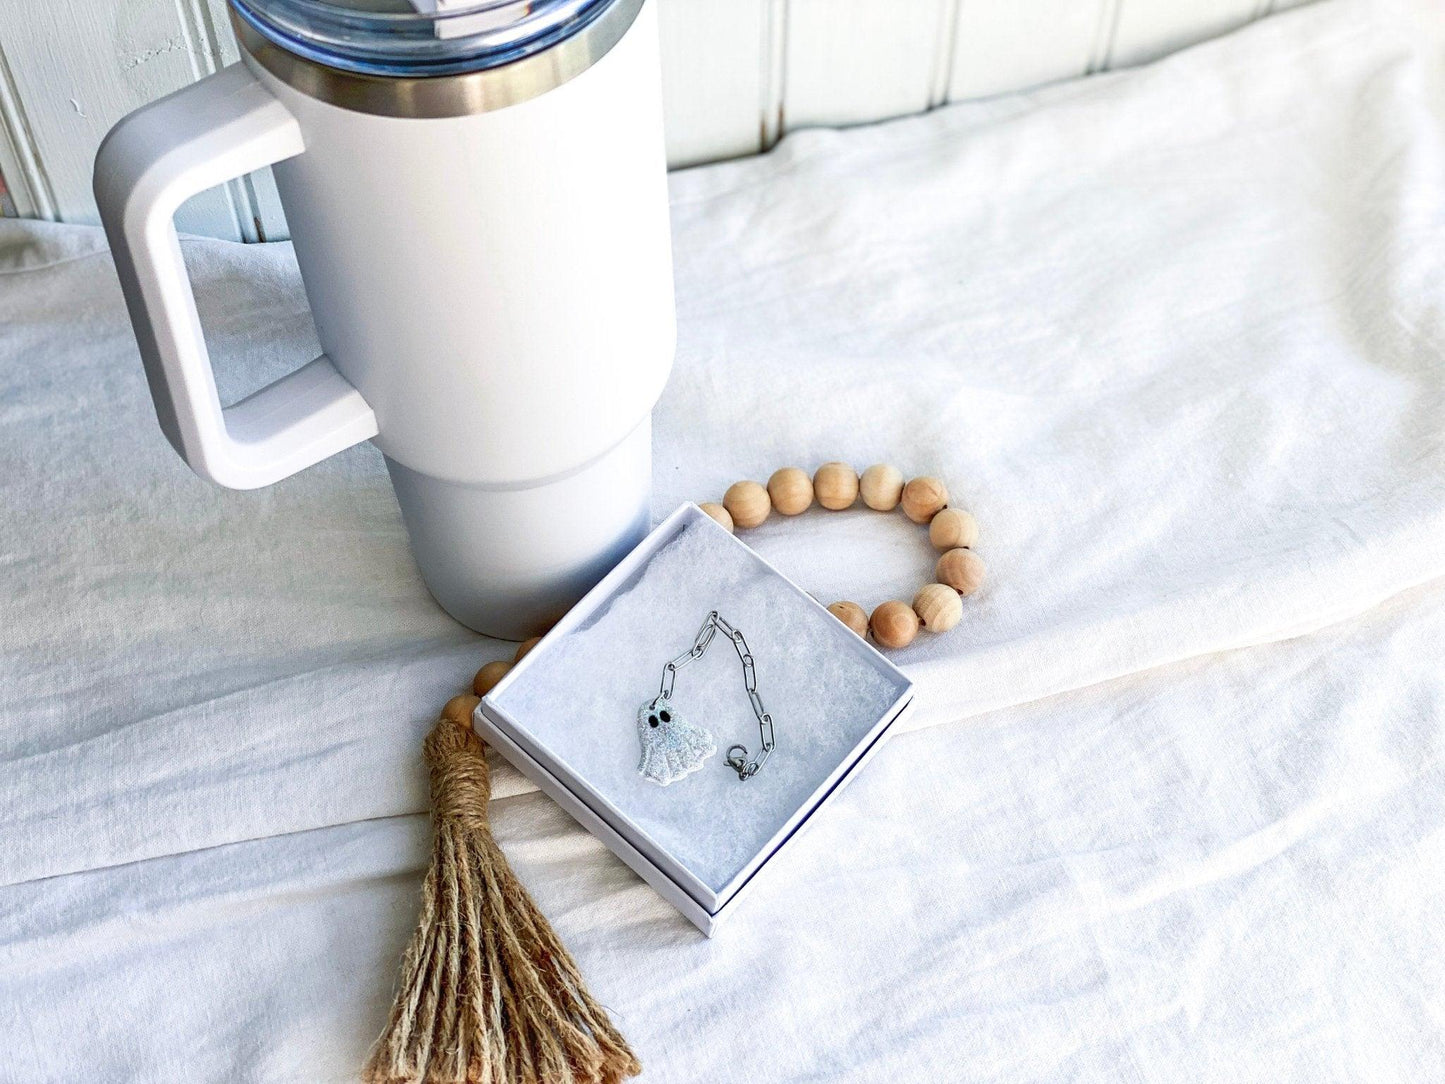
column 671, row 746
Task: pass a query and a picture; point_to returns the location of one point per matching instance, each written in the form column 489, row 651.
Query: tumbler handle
column 152, row 161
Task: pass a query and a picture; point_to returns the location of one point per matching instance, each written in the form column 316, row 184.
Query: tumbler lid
column 417, row 38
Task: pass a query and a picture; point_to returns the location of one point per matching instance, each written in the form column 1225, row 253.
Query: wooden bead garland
column 791, row 491
column 894, row 624
column 493, row 672
column 719, row 513
column 882, row 487
column 961, row 569
column 836, row 485
column 489, row 675
column 923, row 498
column 748, row 503
column 852, row 615
column 952, row 528
column 937, row 607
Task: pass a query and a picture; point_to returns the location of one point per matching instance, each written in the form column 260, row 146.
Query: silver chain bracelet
column 671, row 746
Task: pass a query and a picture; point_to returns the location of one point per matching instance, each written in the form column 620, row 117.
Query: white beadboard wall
column 737, row 74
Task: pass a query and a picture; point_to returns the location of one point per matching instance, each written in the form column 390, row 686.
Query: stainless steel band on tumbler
column 455, row 95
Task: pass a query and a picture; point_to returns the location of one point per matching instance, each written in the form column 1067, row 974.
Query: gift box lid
column 580, row 709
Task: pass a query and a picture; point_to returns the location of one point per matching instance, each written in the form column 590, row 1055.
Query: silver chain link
column 737, row 758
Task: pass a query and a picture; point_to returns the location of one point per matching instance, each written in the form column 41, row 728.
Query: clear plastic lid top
column 417, row 37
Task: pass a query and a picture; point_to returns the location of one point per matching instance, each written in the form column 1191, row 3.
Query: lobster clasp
column 737, row 760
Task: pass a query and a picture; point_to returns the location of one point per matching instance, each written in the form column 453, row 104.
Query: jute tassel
column 488, row 995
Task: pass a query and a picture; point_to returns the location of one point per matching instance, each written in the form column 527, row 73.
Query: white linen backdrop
column 1174, row 334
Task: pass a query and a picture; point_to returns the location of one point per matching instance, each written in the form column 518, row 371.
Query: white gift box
column 567, row 715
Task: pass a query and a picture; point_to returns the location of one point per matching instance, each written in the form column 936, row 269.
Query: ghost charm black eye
column 671, row 746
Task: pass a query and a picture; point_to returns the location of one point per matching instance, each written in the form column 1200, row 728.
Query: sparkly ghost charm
column 671, row 746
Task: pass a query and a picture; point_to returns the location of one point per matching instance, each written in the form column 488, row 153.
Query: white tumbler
column 478, row 203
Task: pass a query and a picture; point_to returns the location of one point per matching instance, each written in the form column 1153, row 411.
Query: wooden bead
column 719, row 513
column 525, row 647
column 881, row 486
column 894, row 624
column 923, row 498
column 791, row 491
column 836, row 486
column 961, row 569
column 953, row 528
column 748, row 504
column 489, row 675
column 852, row 615
column 459, row 709
column 938, row 607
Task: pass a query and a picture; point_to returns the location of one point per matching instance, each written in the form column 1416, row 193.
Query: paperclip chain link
column 737, row 757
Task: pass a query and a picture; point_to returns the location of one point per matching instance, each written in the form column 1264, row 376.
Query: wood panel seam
column 205, row 52
column 1101, row 57
column 243, row 192
column 773, row 121
column 942, row 82
column 36, row 199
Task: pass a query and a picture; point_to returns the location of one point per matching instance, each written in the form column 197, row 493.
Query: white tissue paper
column 574, row 714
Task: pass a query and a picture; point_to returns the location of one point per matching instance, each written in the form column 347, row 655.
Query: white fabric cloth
column 1175, row 335
column 1228, row 869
